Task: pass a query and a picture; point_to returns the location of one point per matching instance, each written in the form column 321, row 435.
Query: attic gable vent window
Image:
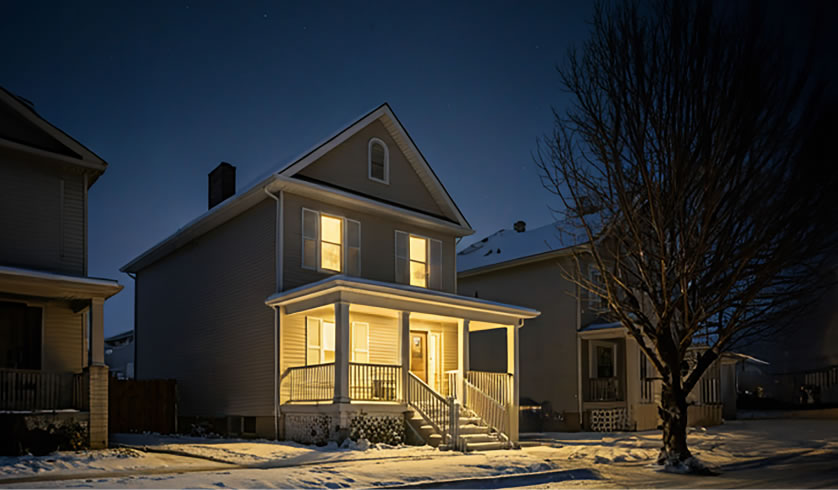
column 378, row 161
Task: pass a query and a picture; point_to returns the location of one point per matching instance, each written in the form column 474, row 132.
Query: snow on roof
column 506, row 245
column 601, row 326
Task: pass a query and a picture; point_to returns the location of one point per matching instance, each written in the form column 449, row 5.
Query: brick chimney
column 520, row 226
column 222, row 184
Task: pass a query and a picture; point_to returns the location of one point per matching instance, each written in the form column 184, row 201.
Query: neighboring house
column 119, row 355
column 321, row 303
column 802, row 359
column 51, row 324
column 576, row 370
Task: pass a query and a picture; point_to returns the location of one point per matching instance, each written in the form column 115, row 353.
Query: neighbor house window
column 603, row 359
column 418, row 260
column 595, row 301
column 378, row 161
column 20, row 336
column 320, row 341
column 331, row 243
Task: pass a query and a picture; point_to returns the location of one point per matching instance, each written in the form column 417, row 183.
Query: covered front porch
column 353, row 348
column 620, row 388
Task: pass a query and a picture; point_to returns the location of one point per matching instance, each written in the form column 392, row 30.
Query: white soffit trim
column 396, row 291
column 350, row 199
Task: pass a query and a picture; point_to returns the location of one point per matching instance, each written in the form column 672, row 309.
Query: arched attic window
column 378, row 161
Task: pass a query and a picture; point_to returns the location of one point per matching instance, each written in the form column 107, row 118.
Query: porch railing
column 375, row 382
column 604, row 389
column 498, row 386
column 312, row 383
column 429, row 404
column 26, row 389
column 494, row 414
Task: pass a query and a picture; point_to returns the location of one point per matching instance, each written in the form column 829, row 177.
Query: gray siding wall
column 547, row 346
column 202, row 320
column 39, row 230
column 378, row 255
column 63, row 338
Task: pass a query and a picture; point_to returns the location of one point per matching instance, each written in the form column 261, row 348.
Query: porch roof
column 51, row 285
column 401, row 297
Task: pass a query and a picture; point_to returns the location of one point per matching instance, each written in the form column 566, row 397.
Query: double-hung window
column 320, row 341
column 418, row 260
column 331, row 243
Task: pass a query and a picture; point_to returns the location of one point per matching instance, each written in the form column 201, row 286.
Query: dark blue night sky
column 163, row 91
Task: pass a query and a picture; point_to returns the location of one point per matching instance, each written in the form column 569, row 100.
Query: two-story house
column 51, row 312
column 322, row 303
column 577, row 370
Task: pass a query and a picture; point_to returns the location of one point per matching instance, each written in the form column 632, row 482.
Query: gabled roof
column 284, row 179
column 508, row 247
column 75, row 153
column 406, row 145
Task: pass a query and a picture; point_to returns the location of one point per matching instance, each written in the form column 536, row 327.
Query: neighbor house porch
column 352, row 349
column 52, row 367
column 620, row 388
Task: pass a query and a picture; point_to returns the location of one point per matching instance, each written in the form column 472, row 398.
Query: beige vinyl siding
column 292, row 349
column 63, row 337
column 384, row 337
column 547, row 348
column 345, row 166
column 202, row 320
column 377, row 244
column 32, row 233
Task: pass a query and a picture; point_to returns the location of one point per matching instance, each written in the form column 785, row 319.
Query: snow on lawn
column 252, row 464
column 104, row 460
column 733, row 442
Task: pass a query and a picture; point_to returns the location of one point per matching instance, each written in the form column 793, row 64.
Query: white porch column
column 342, row 352
column 404, row 337
column 462, row 357
column 632, row 388
column 512, row 368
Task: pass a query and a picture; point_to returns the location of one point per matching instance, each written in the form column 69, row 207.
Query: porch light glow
column 331, row 234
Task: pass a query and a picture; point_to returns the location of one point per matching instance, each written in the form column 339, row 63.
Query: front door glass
column 419, row 355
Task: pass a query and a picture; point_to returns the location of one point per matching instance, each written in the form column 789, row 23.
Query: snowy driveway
column 768, row 453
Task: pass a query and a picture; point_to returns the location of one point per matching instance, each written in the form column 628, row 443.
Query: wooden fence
column 142, row 405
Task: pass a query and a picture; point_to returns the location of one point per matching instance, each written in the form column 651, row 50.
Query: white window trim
column 342, row 243
column 322, row 326
column 352, row 347
column 592, row 359
column 595, row 302
column 344, row 247
column 427, row 258
column 386, row 161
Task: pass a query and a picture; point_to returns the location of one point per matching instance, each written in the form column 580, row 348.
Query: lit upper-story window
column 378, row 161
column 418, row 260
column 331, row 243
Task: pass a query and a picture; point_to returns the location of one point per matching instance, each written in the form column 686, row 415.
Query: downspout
column 278, row 261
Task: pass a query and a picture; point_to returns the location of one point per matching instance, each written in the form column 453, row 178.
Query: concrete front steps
column 474, row 435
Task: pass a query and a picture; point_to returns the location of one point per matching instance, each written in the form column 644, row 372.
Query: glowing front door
column 419, row 355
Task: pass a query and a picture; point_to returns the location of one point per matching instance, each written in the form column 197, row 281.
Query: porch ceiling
column 48, row 285
column 396, row 297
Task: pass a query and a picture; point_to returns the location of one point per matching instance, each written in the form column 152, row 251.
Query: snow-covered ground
column 745, row 452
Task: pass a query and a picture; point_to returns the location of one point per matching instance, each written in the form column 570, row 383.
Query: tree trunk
column 673, row 413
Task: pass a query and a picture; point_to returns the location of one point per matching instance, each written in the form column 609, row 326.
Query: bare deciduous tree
column 694, row 159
